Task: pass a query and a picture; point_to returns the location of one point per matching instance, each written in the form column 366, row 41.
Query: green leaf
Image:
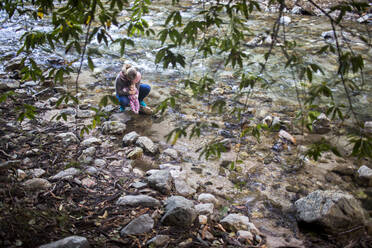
column 90, row 64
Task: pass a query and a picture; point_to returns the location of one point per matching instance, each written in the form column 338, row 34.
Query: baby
column 133, row 98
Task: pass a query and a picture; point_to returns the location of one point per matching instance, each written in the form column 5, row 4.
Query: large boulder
column 142, row 224
column 333, row 211
column 69, row 242
column 179, row 211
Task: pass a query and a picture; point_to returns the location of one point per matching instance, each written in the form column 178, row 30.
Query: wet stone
column 113, row 127
column 130, row 138
column 179, row 211
column 21, row 174
column 171, row 153
column 68, row 173
column 138, row 200
column 37, row 184
column 246, row 235
column 142, row 224
column 147, row 144
column 69, row 242
column 365, row 172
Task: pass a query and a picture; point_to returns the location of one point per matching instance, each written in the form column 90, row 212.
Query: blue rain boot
column 143, row 104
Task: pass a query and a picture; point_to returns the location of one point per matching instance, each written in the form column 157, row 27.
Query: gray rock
column 158, row 241
column 207, row 198
column 205, row 208
column 9, row 84
column 85, row 113
column 139, row 185
column 179, row 211
column 182, row 187
column 100, row 162
column 113, row 127
column 297, row 10
column 130, row 138
column 160, row 180
column 246, row 235
column 171, row 153
column 136, row 153
column 69, row 242
column 91, row 141
column 121, row 117
column 267, row 120
column 321, row 125
column 285, row 20
column 21, row 174
column 87, row 155
column 91, row 151
column 365, row 172
column 147, row 144
column 368, row 127
column 14, row 64
column 91, row 171
column 68, row 173
column 88, row 182
column 367, row 18
column 334, row 211
column 140, row 225
column 344, row 170
column 36, row 172
column 235, row 222
column 37, row 183
column 169, row 167
column 68, row 138
column 138, row 200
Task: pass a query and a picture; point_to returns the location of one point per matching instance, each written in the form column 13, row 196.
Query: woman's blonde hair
column 125, row 68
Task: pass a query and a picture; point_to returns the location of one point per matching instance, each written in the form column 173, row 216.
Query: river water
column 260, row 177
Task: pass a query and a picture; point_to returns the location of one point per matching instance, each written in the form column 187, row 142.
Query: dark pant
column 144, row 90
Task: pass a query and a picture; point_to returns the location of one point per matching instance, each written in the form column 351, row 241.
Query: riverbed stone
column 37, row 184
column 113, row 127
column 91, row 170
column 204, row 208
column 171, row 153
column 246, row 235
column 332, row 210
column 158, row 241
column 147, row 144
column 122, row 117
column 100, row 162
column 344, row 169
column 66, row 174
column 169, row 167
column 9, row 164
column 68, row 138
column 286, row 136
column 203, row 219
column 69, row 242
column 130, row 138
column 37, row 172
column 322, row 124
column 207, row 198
column 136, row 153
column 21, row 174
column 179, row 211
column 142, row 224
column 91, row 141
column 139, row 185
column 9, row 84
column 160, row 180
column 285, row 20
column 138, row 200
column 85, row 113
column 368, row 127
column 236, row 222
column 365, row 172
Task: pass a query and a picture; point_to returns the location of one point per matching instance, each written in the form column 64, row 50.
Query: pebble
column 207, row 198
column 69, row 242
column 205, row 208
column 142, row 224
column 88, row 182
column 203, row 219
column 100, row 162
column 37, row 183
column 68, row 173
